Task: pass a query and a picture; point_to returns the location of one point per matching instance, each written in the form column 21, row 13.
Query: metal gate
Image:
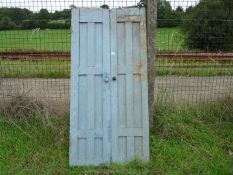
column 109, row 97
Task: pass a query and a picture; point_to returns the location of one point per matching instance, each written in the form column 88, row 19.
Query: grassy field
column 34, row 69
column 168, row 39
column 61, row 69
column 193, row 68
column 42, row 40
column 190, row 140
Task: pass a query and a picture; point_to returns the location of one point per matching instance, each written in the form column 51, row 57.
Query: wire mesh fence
column 194, row 44
column 194, row 52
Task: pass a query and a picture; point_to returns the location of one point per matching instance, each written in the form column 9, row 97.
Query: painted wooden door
column 129, row 94
column 90, row 131
column 109, row 106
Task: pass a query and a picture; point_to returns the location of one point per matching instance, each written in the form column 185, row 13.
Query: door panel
column 90, row 94
column 130, row 136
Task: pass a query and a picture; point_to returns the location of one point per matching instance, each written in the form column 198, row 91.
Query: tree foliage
column 17, row 18
column 105, row 6
column 6, row 24
column 167, row 17
column 209, row 25
column 17, row 15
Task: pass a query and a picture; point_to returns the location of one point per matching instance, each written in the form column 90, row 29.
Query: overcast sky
column 53, row 5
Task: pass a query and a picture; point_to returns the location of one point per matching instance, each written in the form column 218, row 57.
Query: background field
column 61, row 69
column 34, row 69
column 35, row 40
column 168, row 39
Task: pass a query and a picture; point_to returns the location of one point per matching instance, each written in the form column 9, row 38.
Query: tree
column 6, row 24
column 189, row 10
column 179, row 9
column 164, row 9
column 38, row 20
column 26, row 19
column 104, row 6
column 208, row 26
column 43, row 15
column 167, row 17
column 176, row 17
column 64, row 14
column 17, row 15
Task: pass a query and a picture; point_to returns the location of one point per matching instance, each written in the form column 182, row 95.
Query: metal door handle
column 114, row 78
column 106, row 77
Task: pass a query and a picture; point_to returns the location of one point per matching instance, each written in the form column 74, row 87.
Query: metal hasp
column 109, row 119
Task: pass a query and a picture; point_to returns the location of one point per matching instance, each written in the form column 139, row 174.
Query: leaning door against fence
column 90, row 89
column 129, row 94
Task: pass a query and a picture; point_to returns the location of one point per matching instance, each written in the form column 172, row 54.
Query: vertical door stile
column 144, row 81
column 73, row 151
column 106, row 86
column 114, row 102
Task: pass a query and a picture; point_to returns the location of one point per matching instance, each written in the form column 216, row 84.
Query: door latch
column 114, row 78
column 106, row 77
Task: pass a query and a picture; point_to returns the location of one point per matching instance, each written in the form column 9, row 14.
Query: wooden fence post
column 151, row 39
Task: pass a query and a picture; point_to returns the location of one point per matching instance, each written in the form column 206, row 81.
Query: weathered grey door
column 129, row 94
column 109, row 106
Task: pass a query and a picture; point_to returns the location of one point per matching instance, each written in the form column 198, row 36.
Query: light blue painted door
column 109, row 105
column 129, row 94
column 90, row 131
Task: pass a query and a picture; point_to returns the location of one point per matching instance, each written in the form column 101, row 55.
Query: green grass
column 195, row 139
column 61, row 69
column 42, row 40
column 168, row 39
column 193, row 68
column 34, row 69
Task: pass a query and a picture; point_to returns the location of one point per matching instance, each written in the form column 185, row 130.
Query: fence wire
column 194, row 44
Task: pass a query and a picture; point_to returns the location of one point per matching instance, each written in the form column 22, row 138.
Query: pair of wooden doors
column 109, row 96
